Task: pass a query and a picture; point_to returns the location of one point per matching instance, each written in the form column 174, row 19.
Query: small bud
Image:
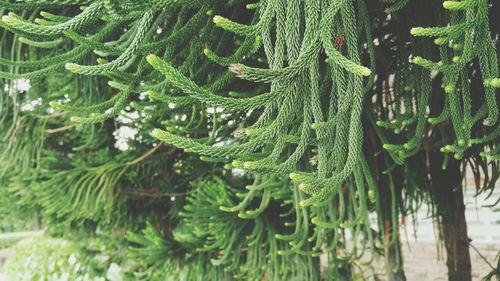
column 304, row 186
column 218, row 20
column 440, row 41
column 71, row 66
column 152, row 59
column 294, row 176
column 236, row 69
column 408, row 146
column 416, row 31
column 371, row 195
column 492, row 82
column 449, row 89
column 237, row 164
column 54, row 104
column 7, row 19
column 314, row 126
column 239, row 133
column 76, row 119
column 252, row 6
column 455, row 5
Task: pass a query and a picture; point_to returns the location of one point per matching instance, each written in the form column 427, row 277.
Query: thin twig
column 61, row 129
column 481, row 256
column 154, row 192
column 146, row 155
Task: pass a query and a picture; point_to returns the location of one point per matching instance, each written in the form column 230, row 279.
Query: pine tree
column 334, row 110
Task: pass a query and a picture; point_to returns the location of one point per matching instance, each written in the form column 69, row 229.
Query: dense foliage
column 231, row 140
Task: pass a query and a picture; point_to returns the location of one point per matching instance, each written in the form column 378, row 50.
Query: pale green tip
column 250, row 132
column 449, row 89
column 294, row 176
column 218, row 20
column 371, row 194
column 236, row 164
column 206, row 51
column 156, row 133
column 440, row 41
column 7, row 19
column 304, row 186
column 71, row 66
column 416, row 31
column 365, row 71
column 249, row 165
column 114, row 84
column 448, row 4
column 304, row 203
column 252, row 6
column 151, row 59
column 418, row 60
column 76, row 119
column 45, row 14
column 452, row 5
column 53, row 104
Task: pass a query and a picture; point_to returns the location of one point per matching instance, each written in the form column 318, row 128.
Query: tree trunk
column 448, row 198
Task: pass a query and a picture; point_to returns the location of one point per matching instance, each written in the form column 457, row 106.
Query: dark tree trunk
column 448, row 197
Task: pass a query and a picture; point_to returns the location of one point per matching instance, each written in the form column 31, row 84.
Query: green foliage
column 330, row 109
